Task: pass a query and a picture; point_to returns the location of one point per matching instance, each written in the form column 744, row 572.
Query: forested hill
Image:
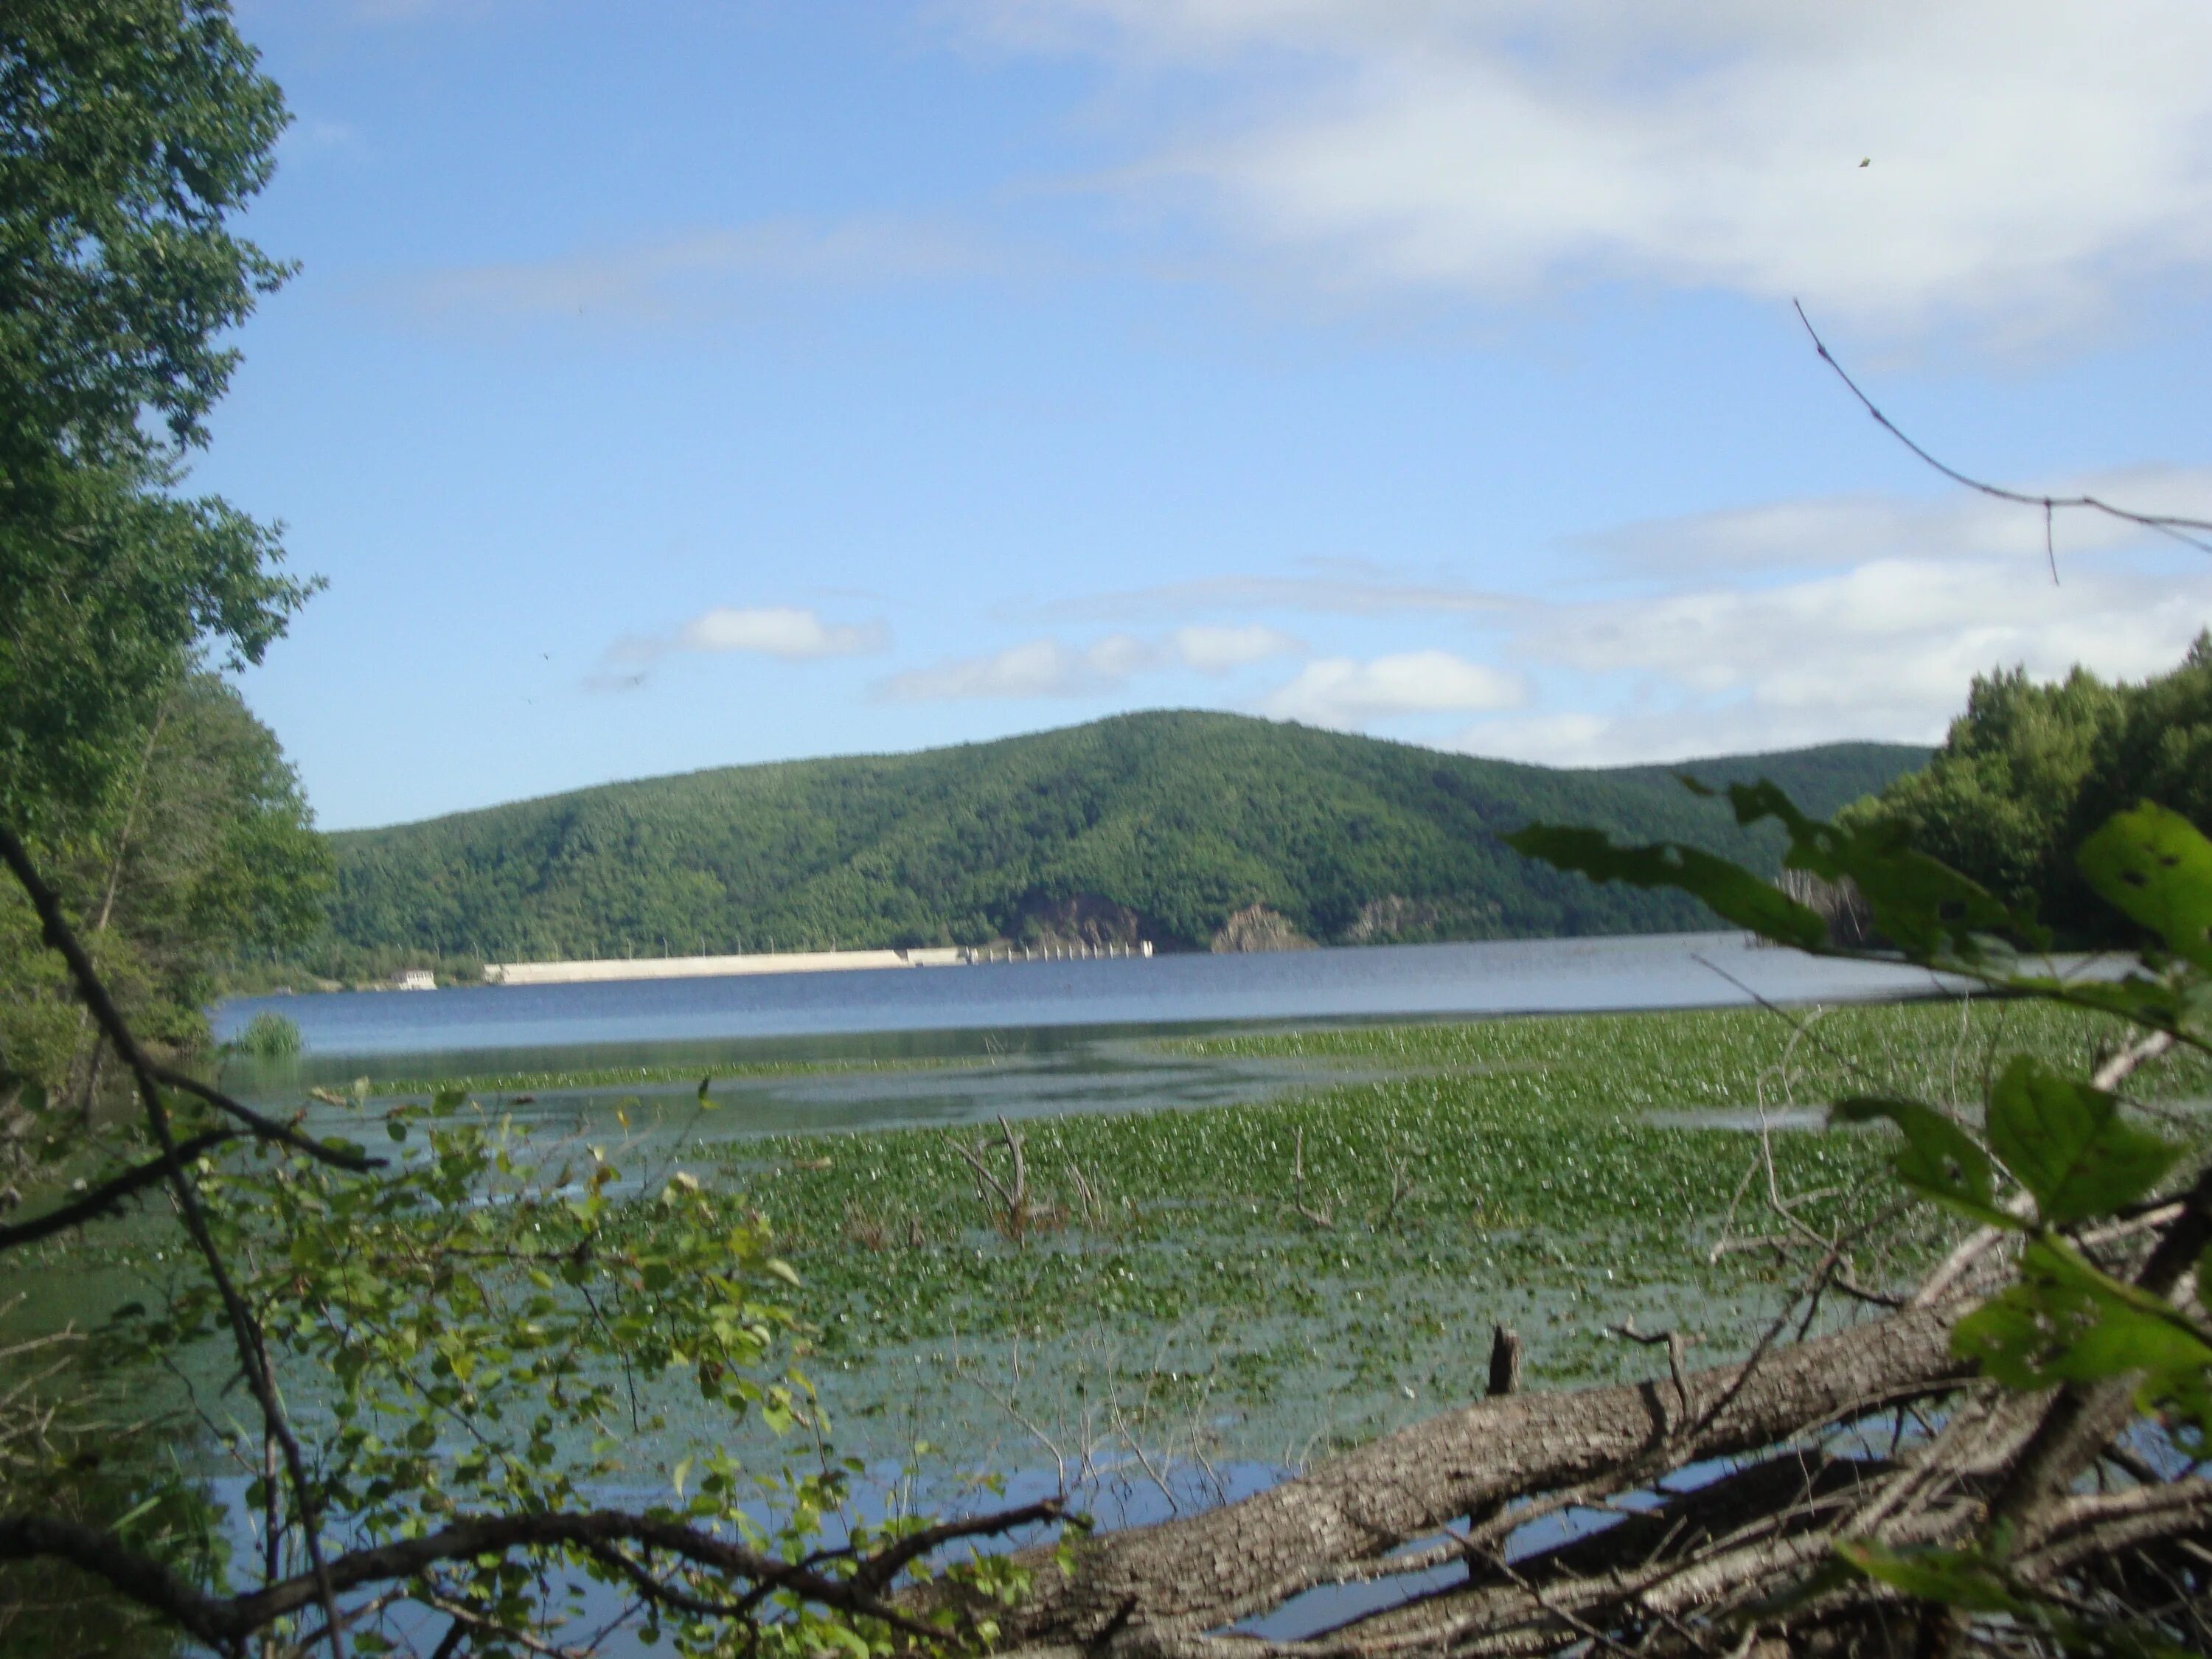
column 1159, row 825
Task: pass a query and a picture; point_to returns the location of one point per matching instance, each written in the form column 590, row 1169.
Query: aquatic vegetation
column 622, row 1076
column 1529, row 1171
column 269, row 1036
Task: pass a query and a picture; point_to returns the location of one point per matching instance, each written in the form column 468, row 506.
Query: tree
column 2028, row 772
column 212, row 851
column 130, row 132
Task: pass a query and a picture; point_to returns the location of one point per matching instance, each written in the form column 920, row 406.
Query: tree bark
column 1194, row 1574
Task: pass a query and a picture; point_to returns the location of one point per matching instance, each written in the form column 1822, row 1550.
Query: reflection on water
column 1750, row 1120
column 965, row 1078
column 952, row 1045
column 1677, row 970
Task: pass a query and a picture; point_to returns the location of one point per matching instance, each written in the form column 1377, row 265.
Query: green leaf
column 2150, row 1002
column 2125, row 1339
column 2153, row 866
column 2066, row 1319
column 1940, row 1161
column 705, row 1083
column 1954, row 1577
column 1732, row 892
column 2066, row 1144
column 2010, row 1339
column 1928, row 911
column 1924, row 908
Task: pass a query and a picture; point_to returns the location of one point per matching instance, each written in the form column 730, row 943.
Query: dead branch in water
column 1016, row 1213
column 1324, row 1216
column 1876, row 1431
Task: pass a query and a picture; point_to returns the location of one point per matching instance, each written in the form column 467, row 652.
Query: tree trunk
column 1188, row 1576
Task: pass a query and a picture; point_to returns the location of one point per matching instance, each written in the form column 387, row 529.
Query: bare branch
column 59, row 936
column 109, row 1196
column 2190, row 532
column 246, row 1330
column 221, row 1620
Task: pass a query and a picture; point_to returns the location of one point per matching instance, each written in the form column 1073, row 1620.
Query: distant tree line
column 1159, row 825
column 2029, row 770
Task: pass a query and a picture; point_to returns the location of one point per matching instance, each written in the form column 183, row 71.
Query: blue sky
column 680, row 384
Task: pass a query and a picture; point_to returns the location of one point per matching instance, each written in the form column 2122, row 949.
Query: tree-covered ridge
column 1161, row 824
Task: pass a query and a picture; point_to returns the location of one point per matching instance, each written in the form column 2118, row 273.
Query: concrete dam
column 794, row 962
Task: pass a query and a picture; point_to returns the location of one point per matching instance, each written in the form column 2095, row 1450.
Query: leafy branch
column 2102, row 1343
column 455, row 1288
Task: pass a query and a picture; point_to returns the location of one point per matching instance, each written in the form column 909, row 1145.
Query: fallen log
column 1143, row 1589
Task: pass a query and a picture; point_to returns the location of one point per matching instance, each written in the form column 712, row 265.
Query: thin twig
column 246, row 1330
column 109, row 1196
column 2164, row 524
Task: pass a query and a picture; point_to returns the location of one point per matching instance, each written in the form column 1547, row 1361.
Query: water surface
column 1516, row 977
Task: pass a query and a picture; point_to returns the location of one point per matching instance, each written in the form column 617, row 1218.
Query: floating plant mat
column 1193, row 1297
column 1264, row 1282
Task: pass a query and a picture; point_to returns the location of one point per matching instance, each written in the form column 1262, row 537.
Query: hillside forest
column 1162, row 826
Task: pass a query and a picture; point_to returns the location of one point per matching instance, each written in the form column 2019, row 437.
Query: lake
column 901, row 1047
column 1228, row 1342
column 1569, row 975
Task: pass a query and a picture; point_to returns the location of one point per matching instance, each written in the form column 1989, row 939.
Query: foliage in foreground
column 476, row 1341
column 2056, row 1162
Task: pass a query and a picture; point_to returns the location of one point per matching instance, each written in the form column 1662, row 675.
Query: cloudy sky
column 677, row 384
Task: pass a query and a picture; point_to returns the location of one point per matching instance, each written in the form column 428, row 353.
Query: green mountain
column 1163, row 826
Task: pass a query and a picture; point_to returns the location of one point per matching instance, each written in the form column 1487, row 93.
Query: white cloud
column 1545, row 739
column 2026, row 157
column 1052, row 668
column 777, row 631
column 783, row 631
column 1214, row 650
column 1338, row 691
column 694, row 274
column 1887, row 648
column 1346, row 588
column 1890, row 633
column 1035, row 668
column 1847, row 530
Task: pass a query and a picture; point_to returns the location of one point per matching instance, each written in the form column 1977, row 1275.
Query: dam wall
column 787, row 962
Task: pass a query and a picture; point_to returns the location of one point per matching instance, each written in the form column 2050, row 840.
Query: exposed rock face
column 1255, row 928
column 1080, row 919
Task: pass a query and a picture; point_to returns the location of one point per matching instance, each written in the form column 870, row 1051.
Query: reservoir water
column 963, row 1044
column 880, row 1049
column 1567, row 975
